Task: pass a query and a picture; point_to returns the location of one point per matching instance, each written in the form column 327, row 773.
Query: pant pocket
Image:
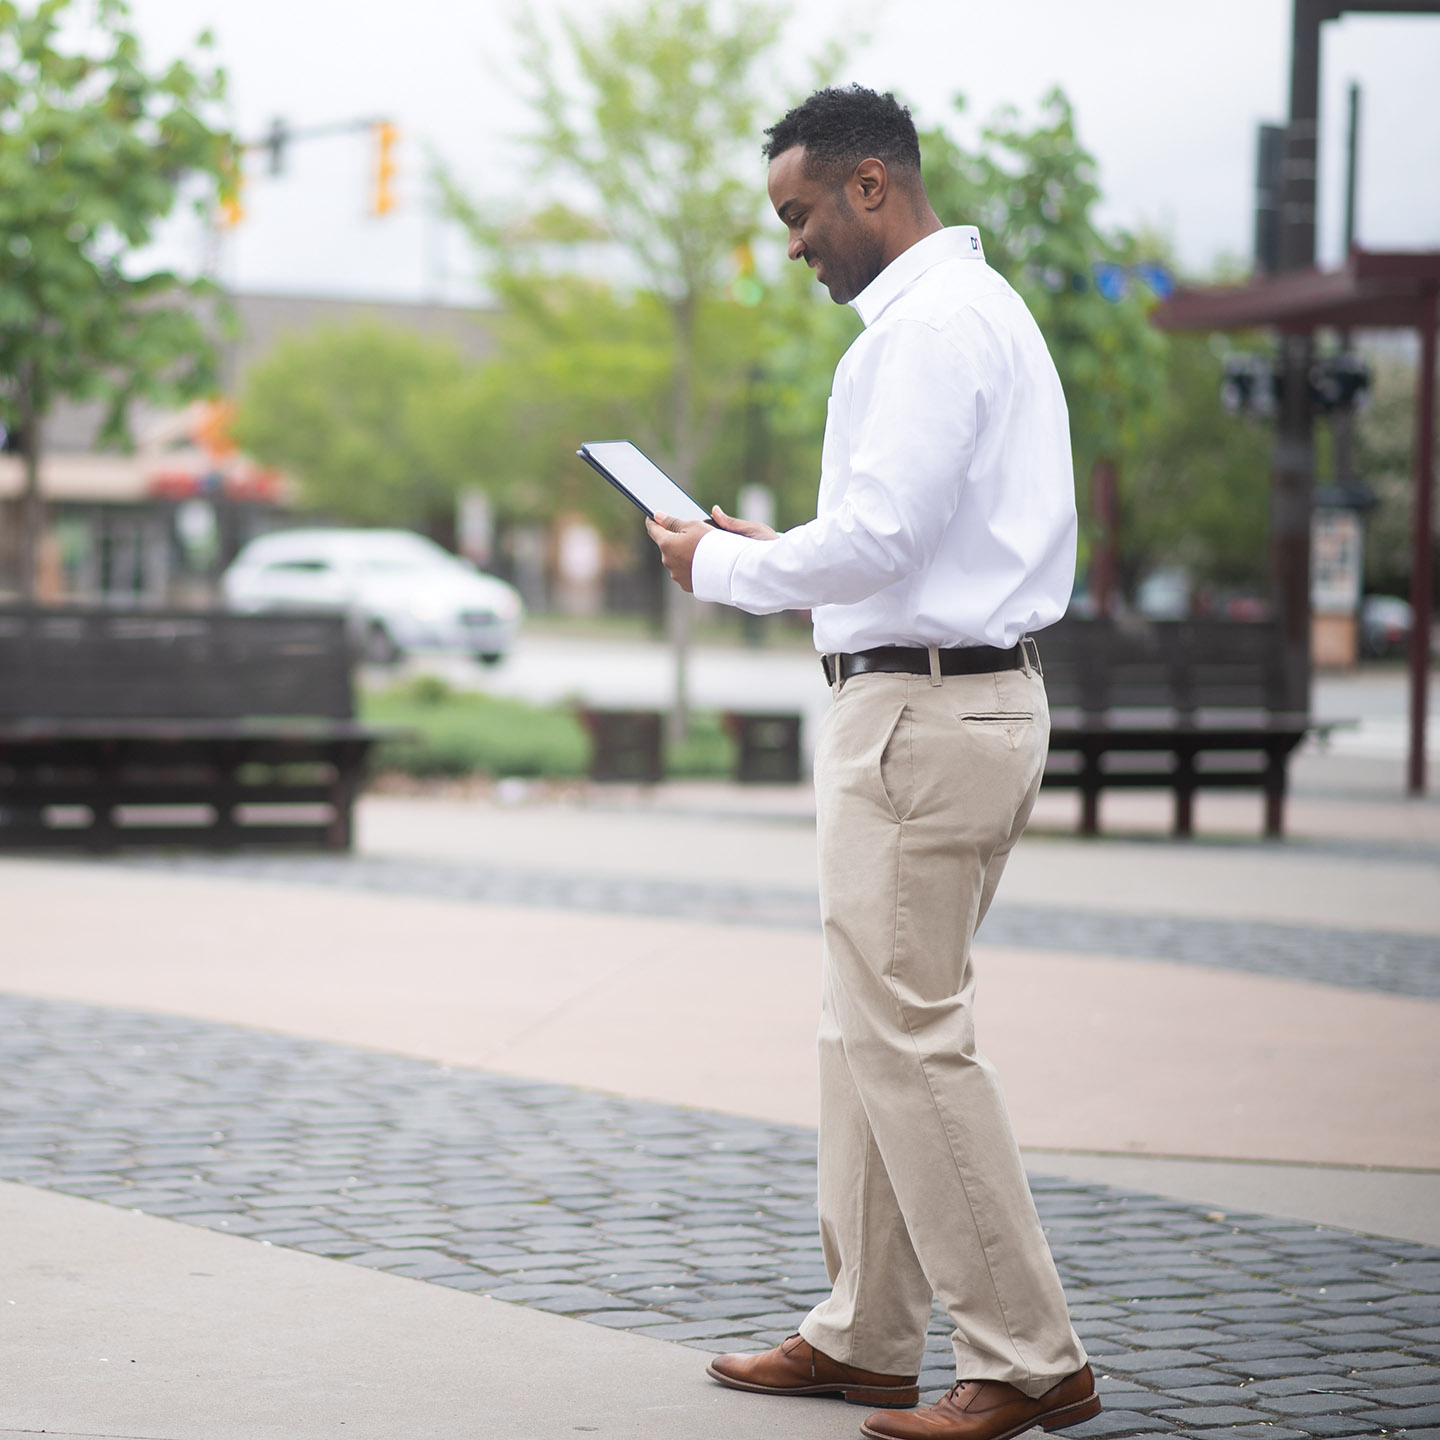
column 1009, row 726
column 853, row 758
column 897, row 766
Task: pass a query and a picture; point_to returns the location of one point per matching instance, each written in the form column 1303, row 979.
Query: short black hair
column 838, row 128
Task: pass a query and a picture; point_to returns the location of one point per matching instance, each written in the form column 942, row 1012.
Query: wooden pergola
column 1374, row 290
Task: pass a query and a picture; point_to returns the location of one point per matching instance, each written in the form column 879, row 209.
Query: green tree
column 1197, row 489
column 1032, row 190
column 577, row 359
column 648, row 124
column 1386, row 455
column 94, row 151
column 365, row 420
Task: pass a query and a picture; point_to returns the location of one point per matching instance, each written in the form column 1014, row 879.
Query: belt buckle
column 1033, row 653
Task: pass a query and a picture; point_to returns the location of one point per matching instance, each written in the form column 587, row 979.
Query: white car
column 398, row 591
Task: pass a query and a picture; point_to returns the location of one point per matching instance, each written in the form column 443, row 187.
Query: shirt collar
column 956, row 242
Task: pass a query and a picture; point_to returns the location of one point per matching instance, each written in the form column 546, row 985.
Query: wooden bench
column 176, row 728
column 1178, row 705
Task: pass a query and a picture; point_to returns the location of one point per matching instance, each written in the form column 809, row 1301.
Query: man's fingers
column 667, row 522
column 750, row 528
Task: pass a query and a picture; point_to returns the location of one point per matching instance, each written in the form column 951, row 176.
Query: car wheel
column 489, row 657
column 380, row 647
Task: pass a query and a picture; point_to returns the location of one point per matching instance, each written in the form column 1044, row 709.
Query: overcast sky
column 1167, row 95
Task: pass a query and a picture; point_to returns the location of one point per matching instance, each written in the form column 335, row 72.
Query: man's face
column 827, row 232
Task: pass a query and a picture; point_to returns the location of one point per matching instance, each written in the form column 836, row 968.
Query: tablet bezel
column 584, row 453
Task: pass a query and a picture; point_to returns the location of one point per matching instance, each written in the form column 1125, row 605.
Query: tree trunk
column 1105, row 544
column 680, row 607
column 31, row 512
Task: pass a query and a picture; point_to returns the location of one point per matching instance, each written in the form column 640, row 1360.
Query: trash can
column 624, row 745
column 767, row 748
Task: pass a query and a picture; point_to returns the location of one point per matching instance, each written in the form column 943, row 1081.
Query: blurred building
column 156, row 524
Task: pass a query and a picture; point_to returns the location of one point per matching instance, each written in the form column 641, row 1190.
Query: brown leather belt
column 913, row 660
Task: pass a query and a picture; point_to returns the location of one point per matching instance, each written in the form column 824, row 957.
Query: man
column 945, row 534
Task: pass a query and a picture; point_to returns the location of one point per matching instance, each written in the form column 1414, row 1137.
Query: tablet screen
column 630, row 470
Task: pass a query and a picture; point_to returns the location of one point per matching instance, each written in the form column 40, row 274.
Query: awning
column 1374, row 290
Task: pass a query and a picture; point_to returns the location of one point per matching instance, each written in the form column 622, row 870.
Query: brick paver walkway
column 683, row 1224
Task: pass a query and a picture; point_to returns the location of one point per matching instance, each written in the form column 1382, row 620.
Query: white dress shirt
column 947, row 500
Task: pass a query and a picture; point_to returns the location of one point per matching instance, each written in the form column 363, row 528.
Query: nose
column 796, row 248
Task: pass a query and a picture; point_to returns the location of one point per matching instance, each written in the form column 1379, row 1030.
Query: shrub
column 458, row 733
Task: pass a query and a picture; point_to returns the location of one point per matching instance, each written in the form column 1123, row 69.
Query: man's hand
column 751, row 529
column 677, row 540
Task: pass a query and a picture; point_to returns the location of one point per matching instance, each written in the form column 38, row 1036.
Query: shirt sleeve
column 915, row 407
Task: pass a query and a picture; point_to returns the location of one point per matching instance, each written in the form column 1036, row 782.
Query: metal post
column 1423, row 542
column 1269, row 157
column 1297, row 176
column 1292, row 483
column 1342, row 422
column 1352, row 161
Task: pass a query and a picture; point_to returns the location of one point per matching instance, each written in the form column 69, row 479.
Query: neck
column 914, row 228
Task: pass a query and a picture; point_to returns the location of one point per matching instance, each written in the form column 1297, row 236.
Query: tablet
column 636, row 476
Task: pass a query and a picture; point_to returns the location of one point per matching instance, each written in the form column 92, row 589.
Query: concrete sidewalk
column 118, row 1324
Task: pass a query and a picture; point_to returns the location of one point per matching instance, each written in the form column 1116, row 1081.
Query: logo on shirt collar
column 974, row 242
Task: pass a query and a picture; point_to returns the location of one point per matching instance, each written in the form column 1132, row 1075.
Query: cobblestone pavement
column 681, row 1224
column 1362, row 959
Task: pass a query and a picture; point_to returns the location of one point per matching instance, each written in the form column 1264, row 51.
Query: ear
column 871, row 183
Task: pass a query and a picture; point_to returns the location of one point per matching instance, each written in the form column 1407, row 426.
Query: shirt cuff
column 713, row 565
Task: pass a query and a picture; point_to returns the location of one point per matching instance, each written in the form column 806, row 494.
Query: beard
column 850, row 257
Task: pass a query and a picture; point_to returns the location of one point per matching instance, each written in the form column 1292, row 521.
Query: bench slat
column 172, row 665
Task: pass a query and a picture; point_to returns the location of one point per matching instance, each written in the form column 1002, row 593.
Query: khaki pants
column 922, row 790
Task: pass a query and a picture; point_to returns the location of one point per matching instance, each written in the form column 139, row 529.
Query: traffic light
column 1339, row 382
column 382, row 202
column 232, row 192
column 1250, row 385
column 745, row 288
column 213, row 427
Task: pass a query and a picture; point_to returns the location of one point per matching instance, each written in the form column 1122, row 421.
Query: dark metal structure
column 1373, row 290
column 1293, row 470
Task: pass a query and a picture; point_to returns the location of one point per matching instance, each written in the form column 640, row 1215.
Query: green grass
column 463, row 733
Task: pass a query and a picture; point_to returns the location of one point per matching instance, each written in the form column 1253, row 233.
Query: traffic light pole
column 1292, row 478
column 276, row 141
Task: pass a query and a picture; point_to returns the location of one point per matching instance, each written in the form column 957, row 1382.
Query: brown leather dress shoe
column 797, row 1368
column 991, row 1410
